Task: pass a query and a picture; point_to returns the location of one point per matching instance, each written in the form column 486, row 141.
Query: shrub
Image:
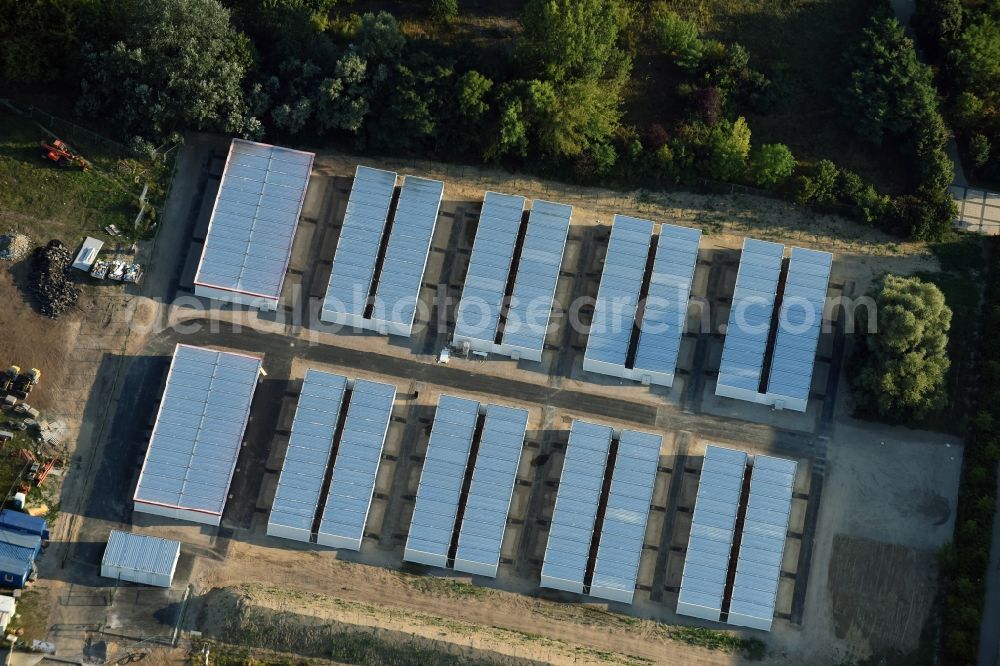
column 444, row 11
column 979, row 150
column 771, row 164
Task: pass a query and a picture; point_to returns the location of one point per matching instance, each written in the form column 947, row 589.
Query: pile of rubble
column 55, row 290
column 13, row 246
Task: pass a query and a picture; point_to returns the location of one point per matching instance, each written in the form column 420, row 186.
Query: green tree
column 904, row 362
column 377, row 38
column 679, row 39
column 771, row 164
column 937, row 21
column 181, row 67
column 343, row 100
column 462, row 126
column 979, row 54
column 512, row 130
column 888, row 86
column 573, row 39
column 728, row 147
column 574, row 116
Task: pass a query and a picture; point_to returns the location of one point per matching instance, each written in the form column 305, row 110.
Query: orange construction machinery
column 57, row 151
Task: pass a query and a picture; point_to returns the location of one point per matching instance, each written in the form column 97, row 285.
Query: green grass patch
column 32, row 615
column 48, row 201
column 752, row 648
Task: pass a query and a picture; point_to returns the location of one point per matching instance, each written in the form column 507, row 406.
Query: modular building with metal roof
column 253, row 223
column 799, row 324
column 782, row 346
column 750, row 321
column 310, row 445
column 641, row 310
column 706, row 563
column 664, row 310
column 140, row 559
column 488, row 503
column 17, row 557
column 361, row 235
column 477, row 321
column 624, row 529
column 359, row 452
column 198, row 433
column 432, row 526
column 526, row 322
column 400, row 281
column 618, row 297
column 571, row 529
column 762, row 543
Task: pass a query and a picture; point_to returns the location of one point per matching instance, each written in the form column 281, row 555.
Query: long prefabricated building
column 769, row 356
column 338, row 432
column 724, row 549
column 253, row 223
column 512, row 277
column 379, row 263
column 580, row 509
column 706, row 564
column 198, row 433
column 359, row 451
column 137, row 558
column 466, row 531
column 642, row 302
column 762, row 543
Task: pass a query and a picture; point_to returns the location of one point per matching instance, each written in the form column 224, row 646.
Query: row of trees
column 965, row 564
column 963, row 39
column 554, row 100
column 890, row 100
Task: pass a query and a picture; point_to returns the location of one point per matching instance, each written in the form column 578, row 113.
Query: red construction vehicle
column 61, row 154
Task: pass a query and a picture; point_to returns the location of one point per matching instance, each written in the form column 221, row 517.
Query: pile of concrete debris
column 55, row 290
column 13, row 246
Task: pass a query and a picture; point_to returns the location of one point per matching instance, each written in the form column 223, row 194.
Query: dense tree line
column 299, row 71
column 963, row 39
column 965, row 563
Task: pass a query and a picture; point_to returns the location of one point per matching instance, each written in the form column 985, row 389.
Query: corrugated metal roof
column 488, row 501
column 537, row 275
column 254, row 219
column 618, row 294
column 489, row 267
column 309, row 446
column 799, row 324
column 199, row 429
column 360, row 238
column 18, row 550
column 665, row 310
column 750, row 315
column 406, row 254
column 625, row 516
column 762, row 546
column 137, row 552
column 356, row 465
column 572, row 526
column 440, row 489
column 706, row 564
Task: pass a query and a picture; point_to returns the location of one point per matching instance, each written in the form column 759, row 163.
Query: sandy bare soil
column 494, row 620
